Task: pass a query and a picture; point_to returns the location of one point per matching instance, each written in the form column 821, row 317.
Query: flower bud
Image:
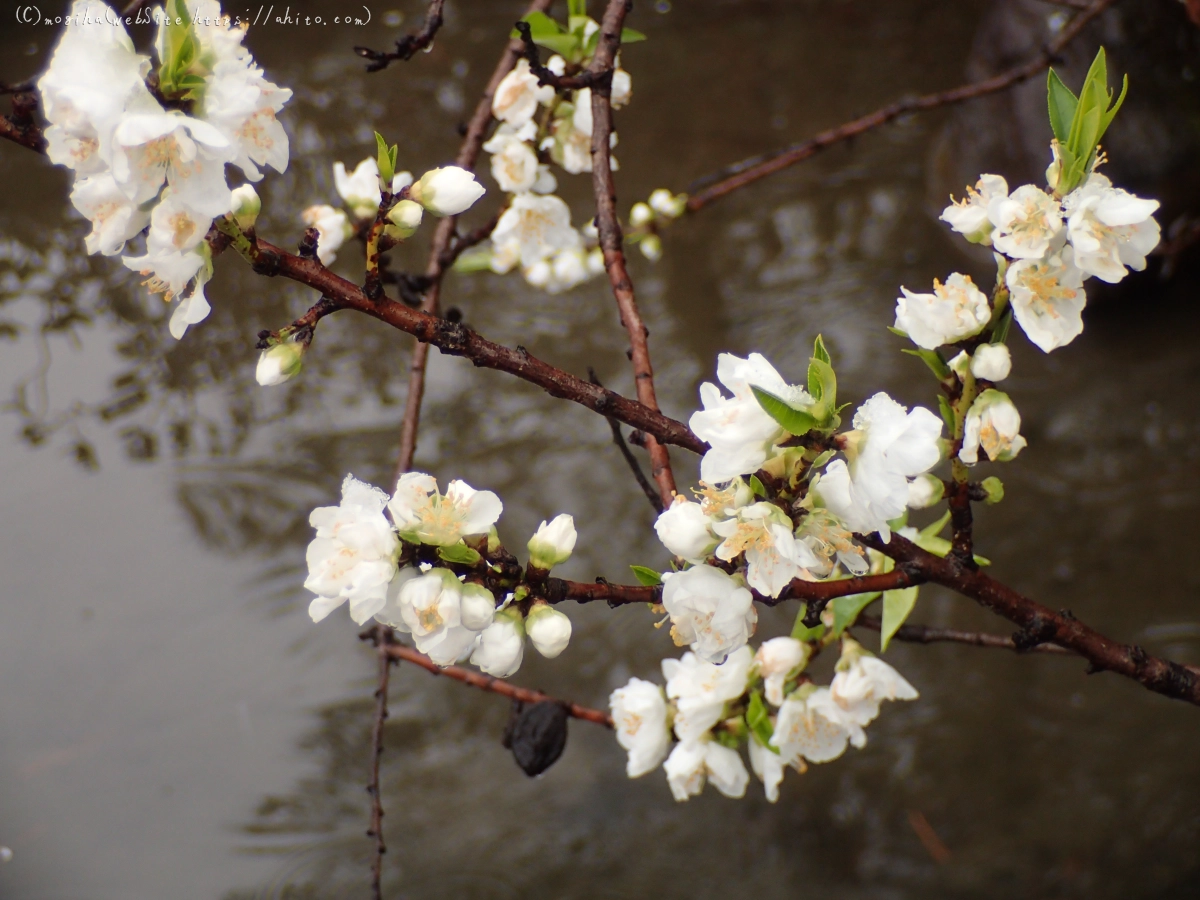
column 991, row 362
column 477, row 607
column 279, row 363
column 960, row 365
column 667, row 204
column 501, row 645
column 548, row 629
column 447, row 191
column 651, row 247
column 246, row 206
column 994, row 488
column 685, row 530
column 595, row 261
column 924, row 491
column 777, row 660
column 552, row 543
column 404, row 218
column 640, row 215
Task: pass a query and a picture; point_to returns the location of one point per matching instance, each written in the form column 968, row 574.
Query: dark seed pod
column 536, row 734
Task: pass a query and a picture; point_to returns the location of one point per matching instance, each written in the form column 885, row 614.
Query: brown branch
column 408, row 45
column 19, row 127
column 925, row 634
column 627, row 454
column 604, row 60
column 1039, row 624
column 751, row 170
column 441, row 256
column 591, row 78
column 495, row 685
column 382, row 638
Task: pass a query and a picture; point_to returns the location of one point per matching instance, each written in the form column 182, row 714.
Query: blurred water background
column 173, row 725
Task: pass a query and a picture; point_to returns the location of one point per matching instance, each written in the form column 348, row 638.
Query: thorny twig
column 627, row 455
column 408, row 45
column 604, row 60
column 436, row 268
column 751, row 170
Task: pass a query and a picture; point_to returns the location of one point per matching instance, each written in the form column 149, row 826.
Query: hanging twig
column 408, row 45
column 925, row 634
column 382, row 638
column 627, row 454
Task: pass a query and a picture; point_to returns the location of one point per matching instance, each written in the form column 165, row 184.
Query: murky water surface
column 174, row 726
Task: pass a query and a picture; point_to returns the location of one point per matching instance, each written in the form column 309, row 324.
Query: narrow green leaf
column 459, row 553
column 934, row 360
column 947, row 412
column 646, row 576
column 896, row 607
column 758, row 720
column 1112, row 112
column 540, row 25
column 566, row 45
column 629, row 36
column 383, row 158
column 576, row 7
column 793, row 420
column 1000, row 332
column 1062, row 105
column 819, row 351
column 803, row 633
column 756, row 487
column 846, row 610
column 935, row 528
column 899, row 332
column 827, row 380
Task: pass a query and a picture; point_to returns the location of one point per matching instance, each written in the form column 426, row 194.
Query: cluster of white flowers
column 356, row 558
column 769, row 544
column 712, row 709
column 1050, row 245
column 138, row 163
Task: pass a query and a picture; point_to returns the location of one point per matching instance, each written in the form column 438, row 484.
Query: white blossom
column 353, row 556
column 778, row 660
column 667, row 204
column 188, row 154
column 501, row 645
column 114, row 217
column 1048, row 298
column 640, row 214
column 447, row 191
column 686, row 531
column 639, row 712
column 826, row 536
column 701, row 690
column 763, row 532
column 768, row 765
column 622, row 88
column 562, row 271
column 518, row 95
column 969, row 216
column 991, row 362
column 955, row 310
column 553, row 542
column 709, row 610
column 738, row 430
column 443, row 615
column 533, row 228
column 994, row 424
column 425, row 516
column 1028, row 223
column 360, row 188
column 863, row 681
column 812, row 725
column 888, row 447
column 690, row 763
column 1110, row 229
column 549, row 630
column 514, row 163
column 333, row 227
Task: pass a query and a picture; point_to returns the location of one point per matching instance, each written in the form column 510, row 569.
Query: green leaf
column 1112, row 113
column 846, row 610
column 819, row 351
column 383, row 159
column 646, row 576
column 826, row 380
column 756, row 487
column 947, row 412
column 896, row 607
column 934, row 360
column 1000, row 332
column 565, row 45
column 803, row 633
column 629, row 36
column 1062, row 105
column 793, row 420
column 935, row 528
column 576, row 8
column 759, row 721
column 900, row 332
column 459, row 553
column 540, row 26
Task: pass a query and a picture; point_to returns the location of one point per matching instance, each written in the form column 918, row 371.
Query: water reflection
column 1040, row 782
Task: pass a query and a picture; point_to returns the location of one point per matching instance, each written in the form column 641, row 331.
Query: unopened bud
column 548, row 629
column 994, row 488
column 651, row 247
column 279, row 363
column 404, row 219
column 640, row 215
column 552, row 543
column 447, row 191
column 667, row 204
column 991, row 362
column 246, row 206
column 924, row 491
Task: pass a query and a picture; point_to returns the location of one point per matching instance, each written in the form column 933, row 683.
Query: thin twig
column 436, row 268
column 495, row 685
column 627, row 454
column 604, row 60
column 382, row 638
column 546, row 76
column 751, row 170
column 408, row 45
column 925, row 634
column 19, row 127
